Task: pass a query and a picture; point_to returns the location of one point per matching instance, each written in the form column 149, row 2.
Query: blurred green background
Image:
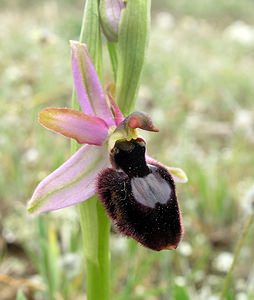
column 198, row 86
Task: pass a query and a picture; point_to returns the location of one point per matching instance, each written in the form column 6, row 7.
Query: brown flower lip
column 140, row 198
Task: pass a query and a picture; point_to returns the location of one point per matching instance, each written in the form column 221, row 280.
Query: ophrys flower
column 104, row 133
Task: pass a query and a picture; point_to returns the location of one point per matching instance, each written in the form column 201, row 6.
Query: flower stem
column 94, row 223
column 95, row 233
column 238, row 249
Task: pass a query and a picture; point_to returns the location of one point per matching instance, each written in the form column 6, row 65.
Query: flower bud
column 110, row 14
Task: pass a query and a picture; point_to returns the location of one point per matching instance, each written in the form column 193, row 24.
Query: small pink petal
column 118, row 116
column 90, row 93
column 74, row 124
column 72, row 182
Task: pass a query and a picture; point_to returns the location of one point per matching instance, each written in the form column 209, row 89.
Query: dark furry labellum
column 140, row 198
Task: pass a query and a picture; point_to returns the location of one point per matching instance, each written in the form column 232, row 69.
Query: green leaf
column 91, row 33
column 112, row 49
column 132, row 45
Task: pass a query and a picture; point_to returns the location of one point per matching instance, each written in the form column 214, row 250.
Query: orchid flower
column 97, row 128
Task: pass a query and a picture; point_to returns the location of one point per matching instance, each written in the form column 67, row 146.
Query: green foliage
column 20, row 296
column 133, row 38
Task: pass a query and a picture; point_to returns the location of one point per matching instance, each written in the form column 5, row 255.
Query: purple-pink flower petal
column 118, row 116
column 74, row 124
column 72, row 182
column 89, row 90
column 78, row 78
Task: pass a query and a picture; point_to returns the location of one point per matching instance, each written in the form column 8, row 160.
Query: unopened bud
column 110, row 13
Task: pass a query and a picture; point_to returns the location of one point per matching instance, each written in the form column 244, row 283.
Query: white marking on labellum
column 151, row 189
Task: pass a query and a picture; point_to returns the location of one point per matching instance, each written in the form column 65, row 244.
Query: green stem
column 238, row 249
column 94, row 223
column 113, row 58
column 95, row 234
